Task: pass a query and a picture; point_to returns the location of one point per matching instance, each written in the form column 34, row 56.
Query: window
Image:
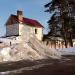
column 35, row 31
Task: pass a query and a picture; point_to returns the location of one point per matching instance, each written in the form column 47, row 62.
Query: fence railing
column 57, row 44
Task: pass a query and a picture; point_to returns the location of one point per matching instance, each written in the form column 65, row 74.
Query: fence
column 56, row 44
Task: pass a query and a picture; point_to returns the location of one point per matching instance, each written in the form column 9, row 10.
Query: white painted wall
column 12, row 30
column 39, row 34
column 25, row 31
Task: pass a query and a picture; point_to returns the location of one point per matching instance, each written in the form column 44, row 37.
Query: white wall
column 12, row 30
column 26, row 31
column 39, row 34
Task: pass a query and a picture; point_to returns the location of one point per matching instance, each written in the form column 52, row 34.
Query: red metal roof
column 14, row 19
column 32, row 22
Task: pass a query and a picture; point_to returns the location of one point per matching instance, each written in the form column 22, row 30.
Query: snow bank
column 67, row 51
column 5, row 54
column 43, row 49
column 33, row 49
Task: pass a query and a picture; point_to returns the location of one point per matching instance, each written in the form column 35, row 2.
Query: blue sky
column 32, row 9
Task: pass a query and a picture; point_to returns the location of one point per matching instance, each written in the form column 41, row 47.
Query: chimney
column 20, row 16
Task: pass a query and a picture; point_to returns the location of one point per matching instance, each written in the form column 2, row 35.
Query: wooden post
column 10, row 43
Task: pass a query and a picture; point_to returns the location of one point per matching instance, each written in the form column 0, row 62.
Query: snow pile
column 19, row 52
column 30, row 50
column 67, row 51
column 5, row 54
column 43, row 49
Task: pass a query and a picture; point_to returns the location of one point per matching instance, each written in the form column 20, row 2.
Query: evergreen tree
column 63, row 18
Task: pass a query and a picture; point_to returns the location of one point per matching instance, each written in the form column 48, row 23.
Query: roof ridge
column 25, row 20
column 24, row 17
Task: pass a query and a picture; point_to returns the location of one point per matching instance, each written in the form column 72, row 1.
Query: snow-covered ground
column 67, row 51
column 7, row 41
column 33, row 49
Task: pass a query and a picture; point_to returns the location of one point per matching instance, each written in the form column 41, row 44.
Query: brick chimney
column 20, row 16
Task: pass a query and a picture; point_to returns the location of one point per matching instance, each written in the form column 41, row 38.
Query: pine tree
column 63, row 17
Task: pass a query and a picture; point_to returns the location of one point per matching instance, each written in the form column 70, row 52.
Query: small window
column 35, row 31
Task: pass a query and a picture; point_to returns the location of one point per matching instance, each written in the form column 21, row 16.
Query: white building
column 18, row 25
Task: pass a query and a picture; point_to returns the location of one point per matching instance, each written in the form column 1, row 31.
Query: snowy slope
column 31, row 50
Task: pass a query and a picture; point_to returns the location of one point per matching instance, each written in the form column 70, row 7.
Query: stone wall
column 12, row 30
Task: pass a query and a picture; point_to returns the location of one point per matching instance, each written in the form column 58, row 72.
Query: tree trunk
column 65, row 39
column 71, row 43
column 63, row 28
